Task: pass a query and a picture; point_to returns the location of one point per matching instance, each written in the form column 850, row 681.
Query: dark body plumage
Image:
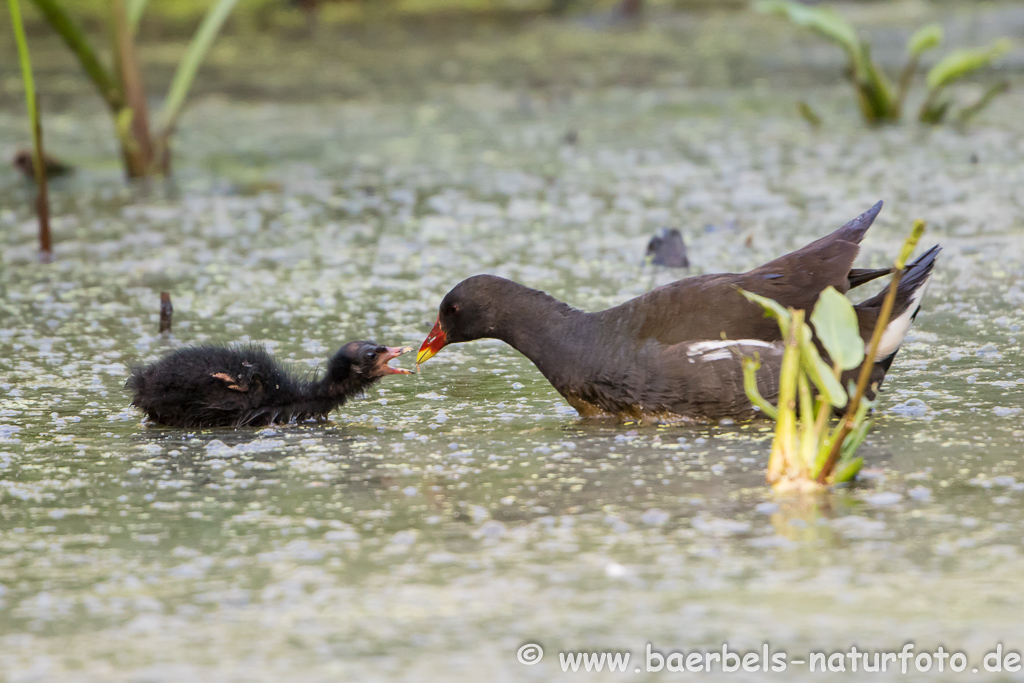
column 218, row 386
column 675, row 351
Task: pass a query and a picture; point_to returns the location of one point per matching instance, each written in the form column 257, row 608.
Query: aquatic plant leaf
column 835, row 322
column 819, row 371
column 925, row 38
column 136, row 8
column 824, row 21
column 808, row 114
column 189, row 65
column 959, row 63
column 772, row 309
column 855, row 439
column 846, row 471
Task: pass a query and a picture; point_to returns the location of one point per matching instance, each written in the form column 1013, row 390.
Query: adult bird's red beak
column 434, row 342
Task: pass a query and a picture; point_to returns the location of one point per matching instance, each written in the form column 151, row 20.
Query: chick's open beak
column 434, row 342
column 389, row 355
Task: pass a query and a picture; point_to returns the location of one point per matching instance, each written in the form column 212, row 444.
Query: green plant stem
column 969, row 112
column 906, row 78
column 186, row 74
column 136, row 8
column 808, row 435
column 76, row 40
column 932, row 112
column 784, row 447
column 38, row 157
column 821, row 427
column 849, row 420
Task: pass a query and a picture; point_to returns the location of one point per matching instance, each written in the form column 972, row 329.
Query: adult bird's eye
column 454, row 309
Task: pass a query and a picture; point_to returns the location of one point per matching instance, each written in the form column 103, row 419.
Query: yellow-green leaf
column 835, row 323
column 960, row 63
column 925, row 38
column 824, row 21
column 819, row 371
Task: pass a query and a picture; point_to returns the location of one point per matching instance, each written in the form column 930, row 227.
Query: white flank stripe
column 707, row 351
column 700, row 348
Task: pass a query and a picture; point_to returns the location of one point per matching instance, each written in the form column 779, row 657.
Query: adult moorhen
column 675, row 351
column 217, row 386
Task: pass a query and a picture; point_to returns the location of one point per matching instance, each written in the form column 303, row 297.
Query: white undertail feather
column 898, row 327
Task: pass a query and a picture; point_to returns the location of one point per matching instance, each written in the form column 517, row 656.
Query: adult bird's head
column 472, row 310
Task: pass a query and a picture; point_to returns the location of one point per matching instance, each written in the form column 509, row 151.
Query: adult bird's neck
column 552, row 334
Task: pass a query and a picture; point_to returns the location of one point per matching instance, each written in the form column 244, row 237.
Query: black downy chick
column 217, row 386
column 668, row 249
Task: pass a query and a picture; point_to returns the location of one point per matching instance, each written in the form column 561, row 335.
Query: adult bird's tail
column 909, row 294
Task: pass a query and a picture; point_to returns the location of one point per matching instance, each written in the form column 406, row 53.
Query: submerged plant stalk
column 38, row 158
column 133, row 128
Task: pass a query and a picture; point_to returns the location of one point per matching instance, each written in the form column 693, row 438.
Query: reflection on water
column 448, row 517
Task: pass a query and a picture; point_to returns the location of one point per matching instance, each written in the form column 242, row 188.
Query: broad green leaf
column 960, row 63
column 835, row 323
column 819, row 371
column 772, row 309
column 925, row 38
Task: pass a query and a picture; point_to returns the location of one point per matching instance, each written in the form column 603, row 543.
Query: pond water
column 448, row 518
